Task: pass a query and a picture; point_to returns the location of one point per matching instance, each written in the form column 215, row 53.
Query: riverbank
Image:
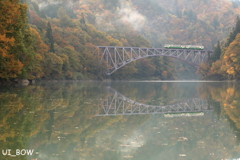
column 26, row 82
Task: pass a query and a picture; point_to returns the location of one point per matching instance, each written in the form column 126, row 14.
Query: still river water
column 121, row 121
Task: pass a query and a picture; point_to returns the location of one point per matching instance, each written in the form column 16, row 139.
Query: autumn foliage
column 227, row 66
column 57, row 41
column 10, row 66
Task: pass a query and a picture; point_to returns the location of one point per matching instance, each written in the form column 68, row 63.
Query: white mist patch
column 43, row 4
column 130, row 15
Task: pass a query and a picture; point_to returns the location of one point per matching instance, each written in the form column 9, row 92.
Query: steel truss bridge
column 117, row 57
column 117, row 104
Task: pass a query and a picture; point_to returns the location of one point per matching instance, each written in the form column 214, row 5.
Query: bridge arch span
column 117, row 57
column 117, row 104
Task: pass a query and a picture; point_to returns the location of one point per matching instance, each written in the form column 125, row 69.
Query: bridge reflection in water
column 118, row 104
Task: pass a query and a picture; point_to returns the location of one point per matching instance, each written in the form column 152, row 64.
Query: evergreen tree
column 217, row 53
column 83, row 23
column 215, row 22
column 234, row 33
column 50, row 38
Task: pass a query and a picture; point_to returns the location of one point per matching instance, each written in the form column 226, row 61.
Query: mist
column 129, row 14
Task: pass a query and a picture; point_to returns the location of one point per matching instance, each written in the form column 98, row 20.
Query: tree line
column 40, row 44
column 225, row 62
column 59, row 43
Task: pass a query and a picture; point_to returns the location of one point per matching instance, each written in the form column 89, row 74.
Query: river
column 145, row 120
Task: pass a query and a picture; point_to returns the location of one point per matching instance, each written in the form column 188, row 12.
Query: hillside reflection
column 59, row 121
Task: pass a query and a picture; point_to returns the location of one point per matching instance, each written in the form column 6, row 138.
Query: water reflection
column 118, row 104
column 59, row 121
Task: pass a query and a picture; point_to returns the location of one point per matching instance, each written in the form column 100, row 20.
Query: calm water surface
column 121, row 121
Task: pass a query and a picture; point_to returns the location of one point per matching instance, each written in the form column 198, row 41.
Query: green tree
column 234, row 33
column 217, row 53
column 50, row 38
column 215, row 22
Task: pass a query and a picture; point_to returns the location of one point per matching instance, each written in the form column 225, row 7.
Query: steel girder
column 117, row 57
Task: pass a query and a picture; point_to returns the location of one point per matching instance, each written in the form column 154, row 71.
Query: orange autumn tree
column 231, row 59
column 229, row 64
column 15, row 40
column 10, row 67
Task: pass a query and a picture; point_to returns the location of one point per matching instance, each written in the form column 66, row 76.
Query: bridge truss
column 117, row 104
column 117, row 57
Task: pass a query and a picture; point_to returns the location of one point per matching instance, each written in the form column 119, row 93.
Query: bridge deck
column 116, row 57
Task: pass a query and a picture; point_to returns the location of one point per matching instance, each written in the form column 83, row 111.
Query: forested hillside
column 61, row 47
column 226, row 62
column 174, row 21
column 56, row 39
